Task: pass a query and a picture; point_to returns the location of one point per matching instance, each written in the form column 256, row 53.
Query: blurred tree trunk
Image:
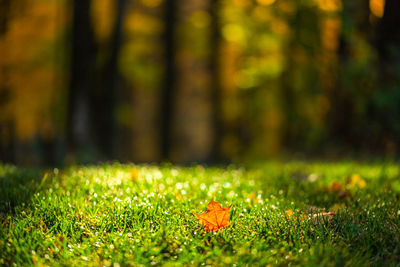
column 300, row 77
column 7, row 132
column 7, row 142
column 340, row 113
column 106, row 93
column 192, row 115
column 4, row 15
column 215, row 40
column 79, row 137
column 388, row 44
column 167, row 101
column 388, row 40
column 345, row 124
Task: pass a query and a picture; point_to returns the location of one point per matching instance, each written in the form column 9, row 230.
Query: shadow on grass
column 315, row 196
column 18, row 185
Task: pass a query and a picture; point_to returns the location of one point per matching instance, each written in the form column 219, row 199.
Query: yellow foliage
column 330, row 5
column 266, row 2
column 289, row 213
column 138, row 22
column 135, row 174
column 330, row 31
column 280, row 27
column 242, row 3
column 103, row 17
column 377, row 7
column 355, row 180
column 29, row 69
column 234, row 33
column 151, row 3
column 262, row 13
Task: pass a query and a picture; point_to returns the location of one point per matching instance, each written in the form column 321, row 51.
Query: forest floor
column 296, row 213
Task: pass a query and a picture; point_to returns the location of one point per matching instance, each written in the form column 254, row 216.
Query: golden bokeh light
column 377, row 7
column 234, row 33
column 151, row 3
column 266, row 2
column 330, row 5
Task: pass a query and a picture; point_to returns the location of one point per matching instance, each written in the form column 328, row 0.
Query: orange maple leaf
column 335, row 186
column 215, row 217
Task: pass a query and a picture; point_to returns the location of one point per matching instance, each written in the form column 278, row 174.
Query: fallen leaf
column 335, row 186
column 215, row 217
column 135, row 174
column 355, row 180
column 289, row 213
column 178, row 196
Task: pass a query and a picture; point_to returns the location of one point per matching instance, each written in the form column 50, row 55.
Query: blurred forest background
column 198, row 80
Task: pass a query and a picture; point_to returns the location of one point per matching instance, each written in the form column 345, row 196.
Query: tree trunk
column 388, row 44
column 389, row 31
column 81, row 79
column 215, row 40
column 106, row 97
column 7, row 132
column 169, row 79
column 4, row 15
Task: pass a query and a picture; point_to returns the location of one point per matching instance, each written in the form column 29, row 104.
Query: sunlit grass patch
column 143, row 214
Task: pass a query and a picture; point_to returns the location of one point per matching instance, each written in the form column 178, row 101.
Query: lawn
column 118, row 215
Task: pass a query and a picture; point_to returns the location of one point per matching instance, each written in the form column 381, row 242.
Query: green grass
column 102, row 215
